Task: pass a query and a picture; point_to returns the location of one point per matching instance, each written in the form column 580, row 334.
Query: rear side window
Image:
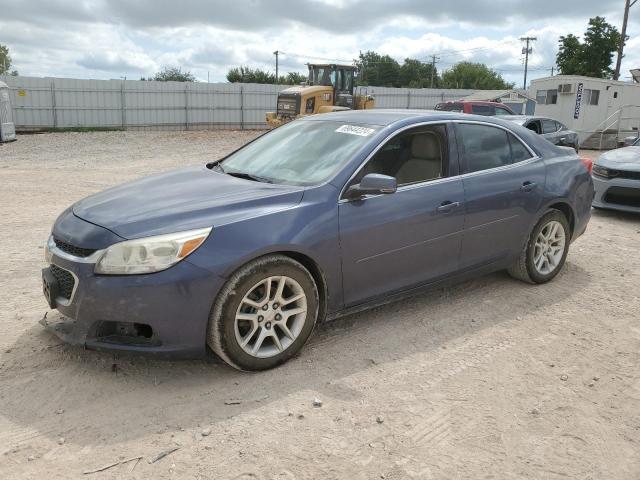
column 549, row 126
column 484, row 147
column 518, row 151
column 483, row 110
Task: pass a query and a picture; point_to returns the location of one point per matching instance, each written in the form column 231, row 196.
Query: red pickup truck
column 475, row 107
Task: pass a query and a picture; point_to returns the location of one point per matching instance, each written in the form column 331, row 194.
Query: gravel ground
column 489, row 379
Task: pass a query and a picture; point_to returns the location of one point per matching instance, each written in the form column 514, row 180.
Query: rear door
column 394, row 241
column 502, row 180
column 550, row 131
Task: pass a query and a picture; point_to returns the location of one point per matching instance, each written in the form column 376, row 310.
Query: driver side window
column 414, row 156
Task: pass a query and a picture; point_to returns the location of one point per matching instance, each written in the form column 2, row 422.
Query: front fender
column 309, row 229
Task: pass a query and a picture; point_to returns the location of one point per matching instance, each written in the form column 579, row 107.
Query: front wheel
column 545, row 251
column 264, row 314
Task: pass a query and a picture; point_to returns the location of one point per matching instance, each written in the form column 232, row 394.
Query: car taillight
column 587, row 162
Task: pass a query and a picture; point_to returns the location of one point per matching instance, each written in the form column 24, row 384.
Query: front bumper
column 105, row 312
column 617, row 194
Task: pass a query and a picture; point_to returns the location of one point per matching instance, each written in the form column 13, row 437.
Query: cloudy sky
column 115, row 38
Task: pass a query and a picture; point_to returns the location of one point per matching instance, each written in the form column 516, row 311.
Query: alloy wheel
column 549, row 247
column 270, row 316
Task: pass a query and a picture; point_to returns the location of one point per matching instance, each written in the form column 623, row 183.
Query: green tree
column 173, row 74
column 249, row 75
column 416, row 74
column 474, row 76
column 378, row 70
column 569, row 57
column 294, row 78
column 5, row 62
column 256, row 75
column 594, row 55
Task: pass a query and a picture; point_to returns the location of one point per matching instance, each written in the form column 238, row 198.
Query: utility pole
column 434, row 59
column 276, row 53
column 526, row 51
column 552, row 70
column 623, row 36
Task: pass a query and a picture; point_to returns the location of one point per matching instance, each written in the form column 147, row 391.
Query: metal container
column 7, row 127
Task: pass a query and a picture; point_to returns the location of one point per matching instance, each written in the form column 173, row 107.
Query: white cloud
column 100, row 39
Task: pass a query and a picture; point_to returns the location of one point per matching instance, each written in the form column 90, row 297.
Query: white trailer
column 602, row 112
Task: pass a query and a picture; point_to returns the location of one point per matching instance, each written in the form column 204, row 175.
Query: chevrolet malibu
column 323, row 216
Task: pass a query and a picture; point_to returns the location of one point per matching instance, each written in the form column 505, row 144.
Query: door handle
column 528, row 186
column 447, row 206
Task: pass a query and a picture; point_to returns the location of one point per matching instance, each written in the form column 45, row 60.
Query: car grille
column 629, row 197
column 66, row 282
column 72, row 249
column 626, row 174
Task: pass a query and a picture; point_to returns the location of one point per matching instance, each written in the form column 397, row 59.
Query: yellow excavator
column 329, row 88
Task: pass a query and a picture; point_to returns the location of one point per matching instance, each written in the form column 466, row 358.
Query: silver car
column 616, row 178
column 548, row 128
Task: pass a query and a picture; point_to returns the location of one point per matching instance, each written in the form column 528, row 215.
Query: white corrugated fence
column 61, row 103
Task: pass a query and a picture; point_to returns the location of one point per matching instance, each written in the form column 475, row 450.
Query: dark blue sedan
column 322, row 216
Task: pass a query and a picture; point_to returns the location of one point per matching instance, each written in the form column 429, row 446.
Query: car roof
column 385, row 117
column 393, row 119
column 526, row 118
column 475, row 102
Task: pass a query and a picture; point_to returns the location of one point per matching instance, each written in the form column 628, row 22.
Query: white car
column 616, row 179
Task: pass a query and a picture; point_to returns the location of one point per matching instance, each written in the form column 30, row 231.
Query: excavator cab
column 339, row 77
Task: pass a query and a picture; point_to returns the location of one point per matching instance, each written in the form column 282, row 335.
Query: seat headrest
column 425, row 145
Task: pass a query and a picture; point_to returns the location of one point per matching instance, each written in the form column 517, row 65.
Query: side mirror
column 373, row 184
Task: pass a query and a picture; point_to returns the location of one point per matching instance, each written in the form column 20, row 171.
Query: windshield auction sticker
column 354, row 130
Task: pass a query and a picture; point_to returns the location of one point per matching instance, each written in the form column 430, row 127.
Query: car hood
column 627, row 158
column 183, row 199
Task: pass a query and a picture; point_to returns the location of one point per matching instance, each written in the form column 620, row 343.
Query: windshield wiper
column 247, row 176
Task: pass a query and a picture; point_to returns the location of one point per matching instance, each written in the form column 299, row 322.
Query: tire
column 240, row 310
column 525, row 268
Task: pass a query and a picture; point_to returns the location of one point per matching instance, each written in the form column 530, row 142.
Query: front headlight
column 150, row 254
column 601, row 171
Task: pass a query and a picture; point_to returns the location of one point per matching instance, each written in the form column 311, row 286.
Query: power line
column 451, row 53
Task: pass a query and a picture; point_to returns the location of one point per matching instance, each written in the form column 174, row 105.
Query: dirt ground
column 490, row 379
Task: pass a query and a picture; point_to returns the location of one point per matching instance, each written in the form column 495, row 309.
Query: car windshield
column 298, row 153
column 637, row 142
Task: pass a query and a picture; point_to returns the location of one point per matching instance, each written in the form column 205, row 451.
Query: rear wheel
column 545, row 251
column 264, row 314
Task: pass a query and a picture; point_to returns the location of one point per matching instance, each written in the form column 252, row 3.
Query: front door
column 502, row 180
column 394, row 241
